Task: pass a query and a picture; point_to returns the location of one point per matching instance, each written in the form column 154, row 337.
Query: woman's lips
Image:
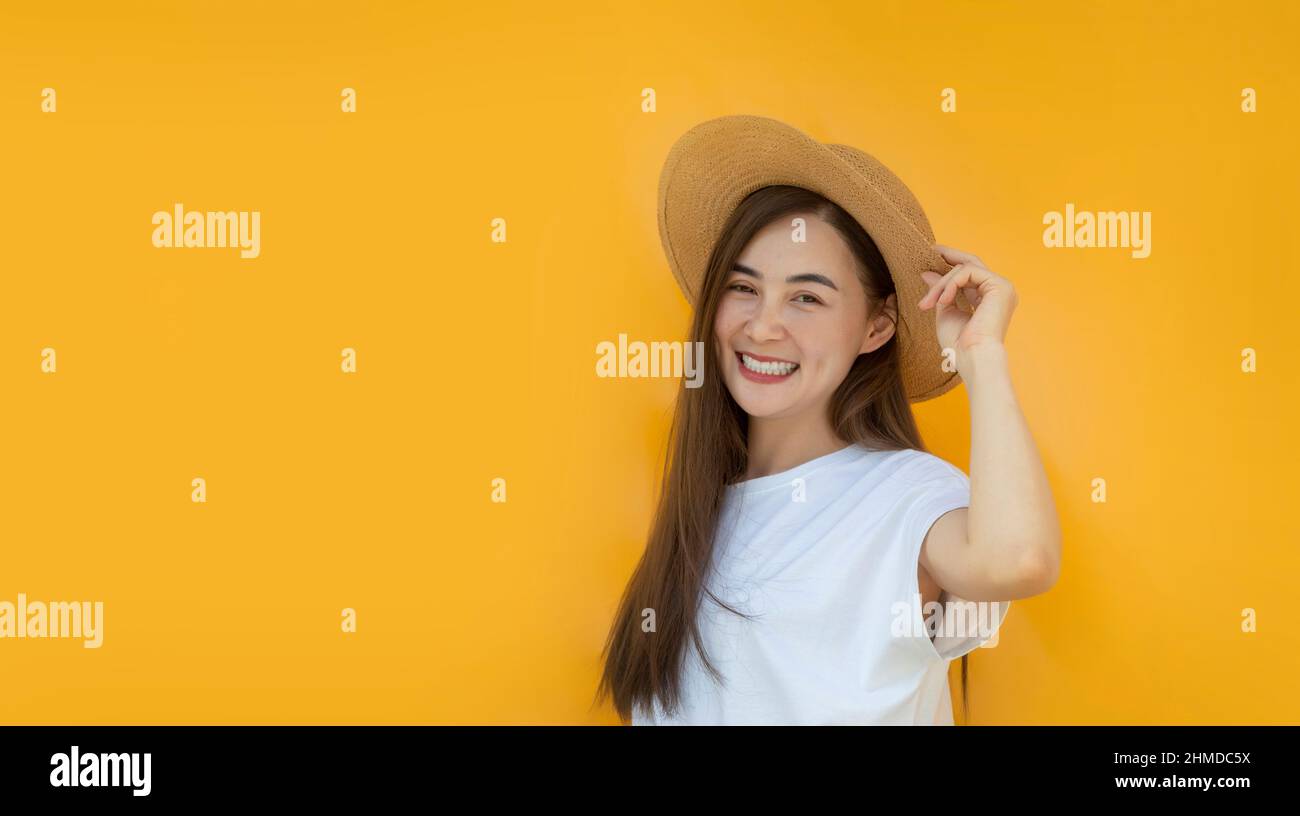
column 763, row 377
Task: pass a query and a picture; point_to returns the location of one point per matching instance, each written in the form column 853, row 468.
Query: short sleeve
column 963, row 625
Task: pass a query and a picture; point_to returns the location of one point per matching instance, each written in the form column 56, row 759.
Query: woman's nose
column 766, row 323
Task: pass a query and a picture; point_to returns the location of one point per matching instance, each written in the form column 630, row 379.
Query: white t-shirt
column 826, row 554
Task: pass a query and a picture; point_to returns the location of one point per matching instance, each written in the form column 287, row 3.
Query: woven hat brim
column 714, row 165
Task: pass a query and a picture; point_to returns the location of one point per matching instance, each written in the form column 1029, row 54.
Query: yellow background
column 476, row 360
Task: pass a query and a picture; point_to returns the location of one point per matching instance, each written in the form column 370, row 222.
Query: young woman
column 805, row 542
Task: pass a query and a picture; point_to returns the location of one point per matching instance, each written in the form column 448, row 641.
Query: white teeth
column 779, row 369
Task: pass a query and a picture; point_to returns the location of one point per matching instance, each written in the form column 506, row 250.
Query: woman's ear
column 881, row 327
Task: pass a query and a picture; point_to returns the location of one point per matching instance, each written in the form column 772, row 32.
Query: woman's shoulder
column 915, row 466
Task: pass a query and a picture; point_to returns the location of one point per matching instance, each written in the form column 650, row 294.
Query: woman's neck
column 777, row 445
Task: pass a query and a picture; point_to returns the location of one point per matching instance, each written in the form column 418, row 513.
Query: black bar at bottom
column 332, row 764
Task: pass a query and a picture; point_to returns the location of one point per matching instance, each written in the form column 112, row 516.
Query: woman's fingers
column 962, row 276
column 954, row 256
column 937, row 286
column 967, row 276
column 950, row 288
column 980, row 286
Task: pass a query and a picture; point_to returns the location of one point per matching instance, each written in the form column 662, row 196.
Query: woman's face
column 796, row 312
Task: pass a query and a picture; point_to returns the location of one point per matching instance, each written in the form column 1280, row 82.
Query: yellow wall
column 475, row 359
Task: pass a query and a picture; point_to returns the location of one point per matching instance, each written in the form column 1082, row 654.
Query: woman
column 805, row 543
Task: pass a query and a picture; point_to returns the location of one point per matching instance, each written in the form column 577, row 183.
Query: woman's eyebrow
column 806, row 277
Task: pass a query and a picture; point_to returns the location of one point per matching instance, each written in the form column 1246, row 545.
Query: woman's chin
column 762, row 408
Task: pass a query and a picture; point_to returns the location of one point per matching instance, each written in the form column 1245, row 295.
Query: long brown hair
column 708, row 451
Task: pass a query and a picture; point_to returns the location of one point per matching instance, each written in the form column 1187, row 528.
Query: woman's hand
column 993, row 297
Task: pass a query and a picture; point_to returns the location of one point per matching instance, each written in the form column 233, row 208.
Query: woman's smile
column 760, row 368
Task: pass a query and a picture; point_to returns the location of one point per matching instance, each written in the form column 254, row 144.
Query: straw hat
column 715, row 164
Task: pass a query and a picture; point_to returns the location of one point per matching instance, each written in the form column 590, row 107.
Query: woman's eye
column 811, row 298
column 740, row 287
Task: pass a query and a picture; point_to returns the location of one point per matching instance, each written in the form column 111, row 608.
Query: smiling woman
column 799, row 505
column 805, row 328
column 820, row 491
